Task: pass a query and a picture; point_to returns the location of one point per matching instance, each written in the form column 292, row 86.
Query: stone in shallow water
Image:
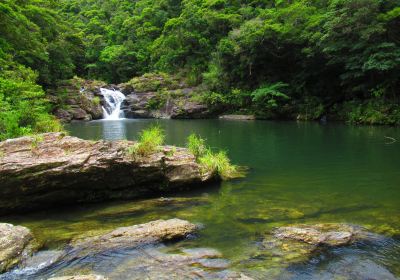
column 202, row 253
column 320, row 234
column 16, row 245
column 134, row 236
column 80, row 277
column 296, row 244
column 214, row 263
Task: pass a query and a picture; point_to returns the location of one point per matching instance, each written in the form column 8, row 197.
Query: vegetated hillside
column 279, row 59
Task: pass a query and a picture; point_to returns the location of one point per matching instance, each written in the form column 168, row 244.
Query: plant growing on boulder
column 149, row 142
column 213, row 162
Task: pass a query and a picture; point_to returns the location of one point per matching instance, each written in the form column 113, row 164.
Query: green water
column 298, row 172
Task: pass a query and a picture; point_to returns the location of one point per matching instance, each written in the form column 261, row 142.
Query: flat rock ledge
column 134, row 236
column 238, row 117
column 16, row 245
column 54, row 169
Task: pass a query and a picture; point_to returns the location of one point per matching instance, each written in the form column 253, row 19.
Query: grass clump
column 217, row 163
column 149, row 142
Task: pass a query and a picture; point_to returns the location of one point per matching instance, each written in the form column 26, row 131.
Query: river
column 298, row 173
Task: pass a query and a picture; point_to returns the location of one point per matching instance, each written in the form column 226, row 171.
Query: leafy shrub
column 153, row 82
column 149, row 142
column 269, row 96
column 24, row 108
column 215, row 163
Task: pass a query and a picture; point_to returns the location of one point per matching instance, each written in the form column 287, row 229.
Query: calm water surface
column 299, row 172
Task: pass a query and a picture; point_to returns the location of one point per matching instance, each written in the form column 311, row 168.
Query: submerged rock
column 80, row 277
column 293, row 244
column 16, row 245
column 136, row 252
column 53, row 169
column 135, row 236
column 321, row 234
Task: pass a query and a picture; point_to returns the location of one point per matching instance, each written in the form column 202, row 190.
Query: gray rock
column 321, row 234
column 135, row 236
column 53, row 169
column 237, row 117
column 16, row 245
column 80, row 277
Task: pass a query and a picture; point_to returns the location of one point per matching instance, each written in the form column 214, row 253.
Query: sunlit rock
column 80, row 277
column 16, row 245
column 53, row 169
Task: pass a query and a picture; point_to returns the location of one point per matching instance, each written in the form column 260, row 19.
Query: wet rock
column 356, row 269
column 320, row 234
column 136, row 236
column 53, row 169
column 16, row 245
column 151, row 263
column 295, row 244
column 238, row 117
column 80, row 277
column 201, row 253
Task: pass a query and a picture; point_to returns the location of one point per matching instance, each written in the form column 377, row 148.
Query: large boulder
column 53, row 169
column 16, row 245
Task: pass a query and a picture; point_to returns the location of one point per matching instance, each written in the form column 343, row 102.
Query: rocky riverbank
column 147, row 96
column 139, row 246
column 139, row 252
column 54, row 169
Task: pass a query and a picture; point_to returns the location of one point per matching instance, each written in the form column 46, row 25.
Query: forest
column 273, row 58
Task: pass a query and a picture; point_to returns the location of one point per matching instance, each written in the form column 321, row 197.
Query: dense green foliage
column 286, row 59
column 23, row 106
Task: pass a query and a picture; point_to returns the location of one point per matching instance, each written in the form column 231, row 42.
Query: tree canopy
column 326, row 52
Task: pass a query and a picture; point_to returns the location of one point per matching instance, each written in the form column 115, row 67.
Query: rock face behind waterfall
column 77, row 99
column 53, row 169
column 162, row 96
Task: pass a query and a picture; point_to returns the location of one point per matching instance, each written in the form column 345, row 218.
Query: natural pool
column 298, row 173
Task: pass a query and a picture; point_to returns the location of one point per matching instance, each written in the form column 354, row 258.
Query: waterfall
column 112, row 108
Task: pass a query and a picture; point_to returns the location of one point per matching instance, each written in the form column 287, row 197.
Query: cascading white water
column 113, row 99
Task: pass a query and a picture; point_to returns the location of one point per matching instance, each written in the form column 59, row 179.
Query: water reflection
column 113, row 129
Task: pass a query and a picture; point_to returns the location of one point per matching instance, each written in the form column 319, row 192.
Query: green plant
column 149, row 142
column 96, row 100
column 269, row 95
column 196, row 145
column 219, row 163
column 215, row 163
